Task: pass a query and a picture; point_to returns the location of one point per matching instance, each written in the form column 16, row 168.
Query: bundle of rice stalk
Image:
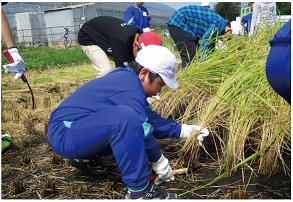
column 229, row 90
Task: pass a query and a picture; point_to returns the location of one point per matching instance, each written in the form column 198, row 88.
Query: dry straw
column 229, row 94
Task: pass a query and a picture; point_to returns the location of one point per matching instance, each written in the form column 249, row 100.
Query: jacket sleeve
column 129, row 17
column 205, row 42
column 163, row 128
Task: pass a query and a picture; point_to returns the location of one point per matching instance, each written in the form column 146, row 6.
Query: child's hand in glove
column 17, row 67
column 187, row 130
column 163, row 170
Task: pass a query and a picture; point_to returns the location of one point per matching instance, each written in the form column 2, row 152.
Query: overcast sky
column 178, row 5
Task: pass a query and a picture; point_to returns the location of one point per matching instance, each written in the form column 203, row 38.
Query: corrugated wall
column 46, row 18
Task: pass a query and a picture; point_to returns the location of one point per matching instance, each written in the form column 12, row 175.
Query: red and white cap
column 159, row 60
column 149, row 38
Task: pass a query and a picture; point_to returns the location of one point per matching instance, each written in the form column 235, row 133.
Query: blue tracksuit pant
column 110, row 126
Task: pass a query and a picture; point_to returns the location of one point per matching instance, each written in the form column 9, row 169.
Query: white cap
column 205, row 3
column 159, row 60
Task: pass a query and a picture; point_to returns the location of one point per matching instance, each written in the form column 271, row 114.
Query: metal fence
column 48, row 36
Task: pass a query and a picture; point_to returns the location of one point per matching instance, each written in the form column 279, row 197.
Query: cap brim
column 171, row 83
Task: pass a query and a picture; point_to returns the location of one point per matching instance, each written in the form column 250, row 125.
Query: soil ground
column 32, row 170
column 48, row 176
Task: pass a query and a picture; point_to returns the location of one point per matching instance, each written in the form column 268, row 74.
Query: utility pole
column 83, row 18
column 41, row 23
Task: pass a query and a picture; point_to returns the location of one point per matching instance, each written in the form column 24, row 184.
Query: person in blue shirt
column 138, row 16
column 110, row 115
column 193, row 26
column 246, row 20
column 278, row 65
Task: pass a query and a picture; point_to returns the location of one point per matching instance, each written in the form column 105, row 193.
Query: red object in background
column 152, row 177
column 8, row 56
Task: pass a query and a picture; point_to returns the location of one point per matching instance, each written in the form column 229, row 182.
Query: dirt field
column 32, row 170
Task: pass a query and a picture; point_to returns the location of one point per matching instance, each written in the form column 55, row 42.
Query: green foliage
column 284, row 8
column 44, row 57
column 228, row 10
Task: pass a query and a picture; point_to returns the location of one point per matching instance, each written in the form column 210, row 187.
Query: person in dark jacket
column 138, row 16
column 278, row 65
column 103, row 38
column 110, row 115
column 193, row 26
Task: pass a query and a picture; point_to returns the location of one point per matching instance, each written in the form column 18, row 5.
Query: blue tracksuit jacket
column 109, row 115
column 278, row 65
column 202, row 22
column 137, row 17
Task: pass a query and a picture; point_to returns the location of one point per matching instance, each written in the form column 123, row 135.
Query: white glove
column 149, row 99
column 163, row 170
column 187, row 130
column 147, row 29
column 250, row 34
column 17, row 68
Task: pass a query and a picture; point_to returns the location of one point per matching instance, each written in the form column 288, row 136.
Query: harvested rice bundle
column 229, row 94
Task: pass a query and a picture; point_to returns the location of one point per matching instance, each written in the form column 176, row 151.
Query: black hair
column 137, row 39
column 136, row 67
column 228, row 24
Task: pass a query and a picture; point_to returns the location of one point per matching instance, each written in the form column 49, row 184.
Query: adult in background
column 103, row 38
column 138, row 16
column 191, row 26
column 263, row 15
column 278, row 65
column 246, row 20
column 110, row 115
column 16, row 68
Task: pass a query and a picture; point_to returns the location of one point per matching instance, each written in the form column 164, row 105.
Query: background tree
column 228, row 10
column 284, row 8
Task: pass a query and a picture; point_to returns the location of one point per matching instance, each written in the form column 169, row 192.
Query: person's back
column 197, row 20
column 111, row 86
column 98, row 32
column 193, row 26
column 278, row 64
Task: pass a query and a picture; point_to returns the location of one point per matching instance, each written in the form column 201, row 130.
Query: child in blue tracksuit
column 138, row 16
column 110, row 115
column 278, row 65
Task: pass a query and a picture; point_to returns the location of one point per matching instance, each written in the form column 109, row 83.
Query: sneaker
column 152, row 193
column 91, row 164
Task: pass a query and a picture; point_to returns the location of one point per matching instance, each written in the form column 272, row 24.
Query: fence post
column 51, row 35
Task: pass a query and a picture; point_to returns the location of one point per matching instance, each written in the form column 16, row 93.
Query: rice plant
column 229, row 94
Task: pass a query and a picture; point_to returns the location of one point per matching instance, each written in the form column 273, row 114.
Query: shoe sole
column 85, row 168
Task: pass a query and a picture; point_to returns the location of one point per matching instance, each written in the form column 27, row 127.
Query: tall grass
column 229, row 94
column 40, row 58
